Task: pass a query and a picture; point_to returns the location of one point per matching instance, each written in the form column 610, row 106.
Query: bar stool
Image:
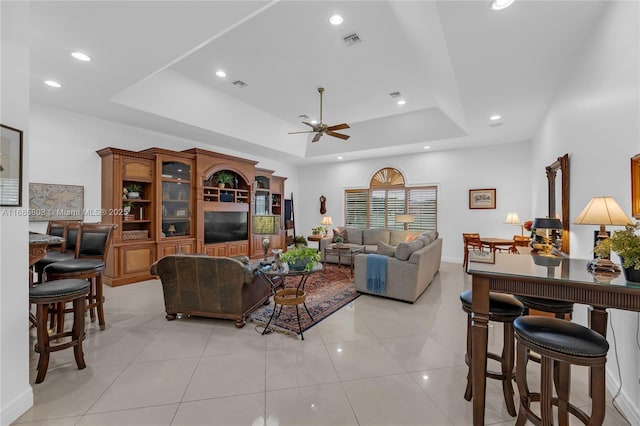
column 92, row 249
column 561, row 343
column 503, row 308
column 53, row 293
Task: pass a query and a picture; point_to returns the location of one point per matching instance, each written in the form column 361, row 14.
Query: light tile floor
column 375, row 362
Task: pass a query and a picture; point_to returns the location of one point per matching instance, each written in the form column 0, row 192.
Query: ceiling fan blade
column 338, row 135
column 309, row 124
column 317, row 137
column 339, row 127
column 306, row 131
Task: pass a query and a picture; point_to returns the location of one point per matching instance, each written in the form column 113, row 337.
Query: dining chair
column 471, row 242
column 92, row 249
column 519, row 241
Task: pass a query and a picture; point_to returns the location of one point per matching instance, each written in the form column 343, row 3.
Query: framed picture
column 482, row 198
column 181, row 212
column 635, row 186
column 482, row 256
column 55, row 202
column 10, row 166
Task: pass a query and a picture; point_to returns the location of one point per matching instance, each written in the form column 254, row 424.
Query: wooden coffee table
column 345, row 250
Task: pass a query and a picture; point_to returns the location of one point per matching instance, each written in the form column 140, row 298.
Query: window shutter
column 423, row 205
column 355, row 205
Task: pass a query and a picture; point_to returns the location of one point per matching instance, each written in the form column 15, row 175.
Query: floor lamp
column 405, row 219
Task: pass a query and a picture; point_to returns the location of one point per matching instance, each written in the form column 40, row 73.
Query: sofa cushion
column 340, row 232
column 386, row 249
column 373, row 236
column 410, row 237
column 355, row 235
column 425, row 239
column 404, row 250
column 397, row 236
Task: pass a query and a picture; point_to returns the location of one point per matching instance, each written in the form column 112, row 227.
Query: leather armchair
column 214, row 287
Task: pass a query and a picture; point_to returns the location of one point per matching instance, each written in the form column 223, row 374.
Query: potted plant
column 316, row 230
column 126, row 207
column 627, row 245
column 223, row 178
column 300, row 241
column 339, row 241
column 133, row 190
column 301, row 259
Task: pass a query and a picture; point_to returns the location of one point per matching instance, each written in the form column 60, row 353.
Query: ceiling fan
column 321, row 128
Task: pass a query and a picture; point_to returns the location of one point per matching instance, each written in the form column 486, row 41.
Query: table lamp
column 513, row 219
column 171, row 230
column 602, row 211
column 405, row 219
column 545, row 223
column 326, row 221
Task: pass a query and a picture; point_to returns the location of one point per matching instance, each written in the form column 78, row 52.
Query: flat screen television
column 220, row 227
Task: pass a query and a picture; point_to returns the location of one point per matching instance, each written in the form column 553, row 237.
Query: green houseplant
column 626, row 244
column 132, row 190
column 301, row 259
column 300, row 241
column 339, row 241
column 223, row 178
column 316, row 230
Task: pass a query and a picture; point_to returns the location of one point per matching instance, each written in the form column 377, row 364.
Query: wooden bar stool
column 560, row 343
column 503, row 308
column 53, row 293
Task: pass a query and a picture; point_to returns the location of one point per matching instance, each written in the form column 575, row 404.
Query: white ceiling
column 455, row 62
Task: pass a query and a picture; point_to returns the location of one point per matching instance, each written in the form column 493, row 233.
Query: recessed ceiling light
column 81, row 56
column 336, row 19
column 402, row 102
column 53, row 83
column 339, row 158
column 314, row 121
column 495, row 117
column 221, row 73
column 501, row 4
column 427, row 147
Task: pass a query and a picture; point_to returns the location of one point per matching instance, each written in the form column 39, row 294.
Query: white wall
column 71, row 140
column 16, row 396
column 504, row 167
column 595, row 119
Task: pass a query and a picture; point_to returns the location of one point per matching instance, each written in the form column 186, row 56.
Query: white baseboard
column 13, row 409
column 624, row 404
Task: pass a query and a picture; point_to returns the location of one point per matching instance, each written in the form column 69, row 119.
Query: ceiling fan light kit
column 321, row 128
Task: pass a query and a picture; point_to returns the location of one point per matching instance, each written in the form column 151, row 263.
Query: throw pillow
column 386, row 249
column 404, row 250
column 410, row 237
column 342, row 233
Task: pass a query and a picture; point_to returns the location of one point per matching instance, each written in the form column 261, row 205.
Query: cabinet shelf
column 125, row 222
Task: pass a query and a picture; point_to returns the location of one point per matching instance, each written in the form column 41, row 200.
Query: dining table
column 495, row 243
column 566, row 279
column 38, row 244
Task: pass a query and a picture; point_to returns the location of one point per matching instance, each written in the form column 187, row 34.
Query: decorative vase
column 221, row 185
column 133, row 195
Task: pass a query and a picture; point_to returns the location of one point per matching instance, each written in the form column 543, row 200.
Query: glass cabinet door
column 176, row 199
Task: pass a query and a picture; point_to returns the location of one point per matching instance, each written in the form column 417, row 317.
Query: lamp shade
column 603, row 211
column 512, row 218
column 326, row 220
column 546, row 223
column 405, row 218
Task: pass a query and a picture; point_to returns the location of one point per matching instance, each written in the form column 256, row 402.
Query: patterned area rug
column 326, row 291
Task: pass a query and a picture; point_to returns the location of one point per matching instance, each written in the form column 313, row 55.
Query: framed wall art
column 481, row 256
column 55, row 202
column 635, row 186
column 482, row 198
column 10, row 166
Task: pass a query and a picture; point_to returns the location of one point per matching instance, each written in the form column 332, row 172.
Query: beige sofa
column 411, row 265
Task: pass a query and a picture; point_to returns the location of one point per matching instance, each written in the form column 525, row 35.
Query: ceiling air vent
column 240, row 84
column 395, row 95
column 352, row 39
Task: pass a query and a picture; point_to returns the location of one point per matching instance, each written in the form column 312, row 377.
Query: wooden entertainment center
column 181, row 208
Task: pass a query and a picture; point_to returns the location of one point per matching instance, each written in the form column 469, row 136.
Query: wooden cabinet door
column 138, row 169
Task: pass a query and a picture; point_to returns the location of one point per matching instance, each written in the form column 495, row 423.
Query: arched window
column 387, row 197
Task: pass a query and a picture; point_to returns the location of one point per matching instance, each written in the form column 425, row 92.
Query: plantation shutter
column 422, row 203
column 377, row 209
column 395, row 205
column 355, row 204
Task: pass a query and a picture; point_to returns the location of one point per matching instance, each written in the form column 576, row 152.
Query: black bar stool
column 53, row 293
column 560, row 343
column 503, row 308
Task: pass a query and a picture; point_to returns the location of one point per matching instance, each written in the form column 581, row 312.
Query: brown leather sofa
column 215, row 287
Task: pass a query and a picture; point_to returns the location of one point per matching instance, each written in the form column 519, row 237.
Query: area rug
column 327, row 292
